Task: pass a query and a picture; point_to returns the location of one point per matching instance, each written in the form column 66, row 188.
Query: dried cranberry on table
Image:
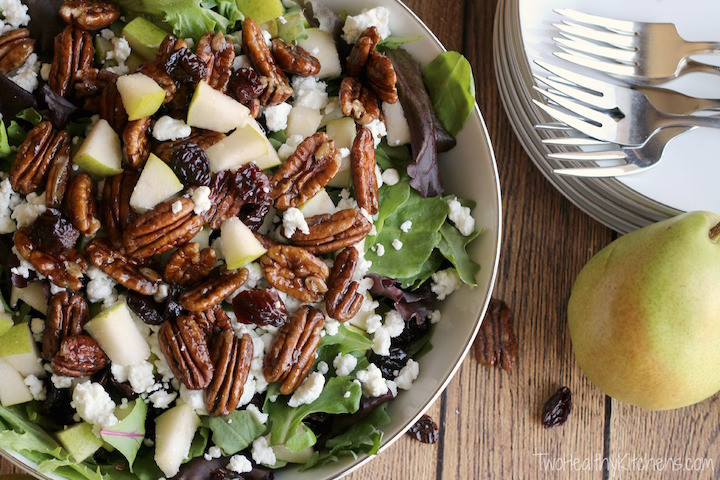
column 259, row 307
column 425, row 430
column 557, row 409
column 190, row 163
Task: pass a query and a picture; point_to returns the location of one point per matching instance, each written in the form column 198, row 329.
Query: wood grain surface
column 489, row 419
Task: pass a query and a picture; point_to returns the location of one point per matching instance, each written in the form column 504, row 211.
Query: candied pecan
column 254, row 107
column 495, row 343
column 64, row 272
column 213, row 319
column 329, row 233
column 79, row 356
column 277, row 88
column 296, row 272
column 168, row 46
column 244, row 193
column 189, row 264
column 260, row 307
column 306, row 172
column 67, row 315
column 81, row 205
column 58, row 174
column 218, row 55
column 183, row 343
column 557, row 409
column 293, row 351
column 29, row 170
column 232, row 358
column 15, row 47
column 162, row 229
column 157, row 72
column 294, row 59
column 381, row 77
column 99, row 90
column 136, row 142
column 342, row 299
column 89, row 14
column 265, row 241
column 362, row 165
column 358, row 102
column 213, row 291
column 203, row 138
column 115, row 211
column 122, row 269
column 245, row 86
column 361, row 50
column 73, row 52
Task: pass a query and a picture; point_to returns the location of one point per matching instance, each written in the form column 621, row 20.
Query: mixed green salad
column 145, row 147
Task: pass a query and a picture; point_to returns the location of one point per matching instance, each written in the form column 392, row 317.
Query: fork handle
column 705, row 47
column 667, row 121
column 695, row 66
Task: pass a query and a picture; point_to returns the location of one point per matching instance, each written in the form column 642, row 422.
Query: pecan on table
column 294, row 59
column 213, row 291
column 362, row 165
column 277, row 88
column 293, row 351
column 58, row 175
column 29, row 170
column 79, row 356
column 81, row 205
column 67, row 315
column 74, row 51
column 381, row 77
column 218, row 55
column 246, row 87
column 315, row 162
column 136, row 142
column 202, row 138
column 244, row 193
column 98, row 89
column 361, row 50
column 64, row 271
column 329, row 233
column 15, row 47
column 157, row 72
column 296, row 272
column 89, row 14
column 115, row 211
column 232, row 357
column 183, row 343
column 162, row 229
column 213, row 320
column 122, row 269
column 342, row 298
column 496, row 343
column 358, row 101
column 188, row 264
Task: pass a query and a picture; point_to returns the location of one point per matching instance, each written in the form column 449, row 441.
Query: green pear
column 261, row 10
column 322, row 46
column 101, row 151
column 141, row 95
column 79, row 440
column 644, row 314
column 239, row 244
column 144, row 37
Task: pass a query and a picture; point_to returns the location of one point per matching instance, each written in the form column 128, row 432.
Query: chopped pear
column 79, row 440
column 240, row 246
column 133, row 62
column 284, row 454
column 271, row 159
column 141, row 95
column 319, row 204
column 203, row 237
column 322, row 46
column 398, row 130
column 293, row 26
column 332, row 111
column 244, row 145
column 213, row 110
column 303, row 121
column 144, row 37
column 18, row 348
column 102, row 47
column 261, row 10
column 117, row 334
column 174, row 432
column 343, row 178
column 156, row 184
column 6, row 322
column 14, row 390
column 100, row 153
column 34, row 295
column 271, row 27
column 342, row 131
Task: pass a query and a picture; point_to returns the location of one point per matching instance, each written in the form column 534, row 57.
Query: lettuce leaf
column 449, row 81
column 128, row 435
column 234, row 432
column 453, row 246
column 186, row 18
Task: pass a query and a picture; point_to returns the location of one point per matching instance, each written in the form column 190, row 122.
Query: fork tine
column 589, row 156
column 612, row 68
column 598, row 21
column 574, row 141
column 589, row 83
column 617, row 39
column 577, row 43
column 601, row 172
column 554, row 126
column 597, row 101
column 576, row 108
column 571, row 120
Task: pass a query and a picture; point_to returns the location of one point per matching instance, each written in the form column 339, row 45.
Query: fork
column 644, row 52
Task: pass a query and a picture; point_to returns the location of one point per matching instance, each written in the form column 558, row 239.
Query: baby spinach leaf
column 69, row 468
column 234, row 432
column 349, row 340
column 5, row 149
column 199, row 443
column 16, row 134
column 390, row 199
column 453, row 246
column 392, row 42
column 393, row 157
column 364, row 436
column 128, row 435
column 431, row 265
column 30, row 115
column 42, row 442
column 449, row 81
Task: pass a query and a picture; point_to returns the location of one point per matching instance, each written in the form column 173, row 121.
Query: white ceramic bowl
column 469, row 170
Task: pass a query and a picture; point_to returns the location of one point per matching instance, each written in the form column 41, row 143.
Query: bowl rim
column 16, row 458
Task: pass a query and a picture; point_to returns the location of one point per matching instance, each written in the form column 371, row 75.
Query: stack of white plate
column 688, row 176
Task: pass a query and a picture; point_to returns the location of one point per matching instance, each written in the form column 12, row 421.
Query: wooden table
column 489, row 419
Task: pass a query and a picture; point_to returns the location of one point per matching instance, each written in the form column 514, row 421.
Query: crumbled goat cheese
column 391, row 176
column 435, row 316
column 60, row 381
column 93, row 404
column 289, row 147
column 168, row 128
column 267, row 36
column 107, row 34
column 344, row 152
column 293, row 220
column 346, row 201
column 308, row 391
column 240, row 464
column 255, row 274
column 36, row 386
column 54, row 289
column 344, row 364
column 120, row 52
column 163, row 369
column 276, row 116
column 37, row 327
column 217, row 245
column 322, row 367
column 445, row 282
column 140, row 376
column 381, row 342
column 392, row 386
column 100, row 287
column 461, row 217
column 407, row 374
column 162, row 399
column 194, row 398
column 259, row 416
column 9, row 199
column 363, row 264
column 177, row 206
column 380, row 250
column 373, row 323
column 394, row 323
column 263, row 453
column 397, row 244
column 398, row 130
column 14, row 15
column 201, row 199
column 332, row 327
column 27, row 211
column 406, row 226
column 309, row 92
column 249, row 390
column 377, row 128
column 372, row 381
column 378, row 176
column 241, row 61
column 355, row 25
column 163, row 291
column 213, row 452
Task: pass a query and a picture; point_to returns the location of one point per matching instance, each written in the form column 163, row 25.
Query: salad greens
column 449, row 81
column 234, row 432
column 128, row 434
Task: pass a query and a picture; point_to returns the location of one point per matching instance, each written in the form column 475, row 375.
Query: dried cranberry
column 173, row 308
column 144, row 307
column 184, row 66
column 261, row 307
column 413, row 331
column 557, row 409
column 53, row 234
column 391, row 363
column 254, row 186
column 115, row 389
column 190, row 163
column 425, row 430
column 245, row 85
column 57, row 404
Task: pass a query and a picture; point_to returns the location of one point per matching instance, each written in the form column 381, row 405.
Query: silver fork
column 645, row 52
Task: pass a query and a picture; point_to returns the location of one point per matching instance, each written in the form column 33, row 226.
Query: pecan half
column 183, row 343
column 122, row 269
column 213, row 319
column 64, row 272
column 232, row 357
column 99, row 90
column 381, row 77
column 358, row 102
column 329, row 233
column 202, row 138
column 361, row 50
column 73, row 52
column 213, row 291
column 293, row 352
column 342, row 299
column 58, row 175
column 136, row 142
column 38, row 151
column 79, row 356
column 306, row 172
column 15, row 47
column 81, row 205
column 496, row 343
column 67, row 315
column 294, row 59
column 362, row 165
column 277, row 88
column 218, row 55
column 161, row 229
column 157, row 72
column 189, row 264
column 244, row 193
column 89, row 14
column 296, row 272
column 115, row 211
column 168, row 46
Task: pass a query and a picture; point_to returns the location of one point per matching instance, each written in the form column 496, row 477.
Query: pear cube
column 269, row 160
column 118, row 335
column 141, row 95
column 261, row 10
column 303, row 121
column 322, row 46
column 79, row 440
column 240, row 246
column 6, row 322
column 342, row 131
column 244, row 145
column 174, row 432
column 33, row 295
column 343, row 178
column 18, row 348
column 13, row 391
column 144, row 37
column 156, row 184
column 213, row 110
column 100, row 153
column 321, row 203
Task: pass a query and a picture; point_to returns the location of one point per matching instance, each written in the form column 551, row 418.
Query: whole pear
column 644, row 314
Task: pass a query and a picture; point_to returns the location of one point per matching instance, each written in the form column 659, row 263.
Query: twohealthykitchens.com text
column 623, row 463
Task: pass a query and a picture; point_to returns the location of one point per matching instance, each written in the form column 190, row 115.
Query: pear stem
column 715, row 233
